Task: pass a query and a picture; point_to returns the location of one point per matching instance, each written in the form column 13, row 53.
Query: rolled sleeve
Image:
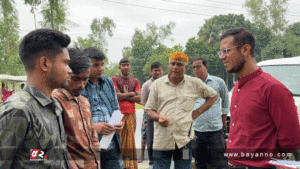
column 204, row 91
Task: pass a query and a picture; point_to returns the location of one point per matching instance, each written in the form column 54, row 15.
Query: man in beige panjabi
column 170, row 105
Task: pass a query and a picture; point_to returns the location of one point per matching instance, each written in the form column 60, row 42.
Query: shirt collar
column 167, row 80
column 67, row 94
column 38, row 95
column 208, row 78
column 100, row 80
column 247, row 78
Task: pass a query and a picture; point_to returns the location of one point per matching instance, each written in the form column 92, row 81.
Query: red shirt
column 6, row 94
column 264, row 121
column 122, row 84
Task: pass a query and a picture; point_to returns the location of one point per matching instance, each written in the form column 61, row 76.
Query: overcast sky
column 188, row 15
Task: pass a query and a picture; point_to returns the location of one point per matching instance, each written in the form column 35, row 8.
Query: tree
column 221, row 23
column 272, row 15
column 55, row 15
column 210, row 32
column 161, row 55
column 101, row 28
column 34, row 4
column 212, row 29
column 144, row 44
column 259, row 11
column 277, row 10
column 286, row 45
column 112, row 69
column 10, row 62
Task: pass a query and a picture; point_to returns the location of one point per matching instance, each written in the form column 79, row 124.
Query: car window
column 289, row 75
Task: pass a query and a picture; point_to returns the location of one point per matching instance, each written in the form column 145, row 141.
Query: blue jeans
column 111, row 159
column 182, row 158
column 209, row 147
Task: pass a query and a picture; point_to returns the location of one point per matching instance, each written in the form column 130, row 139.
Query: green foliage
column 55, row 15
column 198, row 48
column 34, row 4
column 277, row 10
column 112, row 69
column 213, row 28
column 144, row 44
column 10, row 62
column 292, row 39
column 259, row 11
column 221, row 23
column 274, row 49
column 101, row 28
column 271, row 15
column 161, row 54
column 287, row 45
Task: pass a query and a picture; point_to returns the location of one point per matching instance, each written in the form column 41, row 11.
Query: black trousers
column 209, row 148
column 150, row 135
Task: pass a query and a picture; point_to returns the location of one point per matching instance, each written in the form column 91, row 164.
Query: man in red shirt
column 128, row 92
column 5, row 93
column 264, row 121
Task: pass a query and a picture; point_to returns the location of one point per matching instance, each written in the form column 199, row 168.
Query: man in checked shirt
column 82, row 139
column 102, row 96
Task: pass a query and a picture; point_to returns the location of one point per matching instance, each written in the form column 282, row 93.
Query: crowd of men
column 64, row 110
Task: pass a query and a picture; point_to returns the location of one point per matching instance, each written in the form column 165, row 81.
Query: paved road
column 139, row 119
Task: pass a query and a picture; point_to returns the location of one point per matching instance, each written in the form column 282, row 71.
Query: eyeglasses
column 225, row 51
column 197, row 67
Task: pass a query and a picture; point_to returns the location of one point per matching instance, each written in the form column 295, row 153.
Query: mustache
column 78, row 89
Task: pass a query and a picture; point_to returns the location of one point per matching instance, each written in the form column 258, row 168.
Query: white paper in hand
column 115, row 119
column 285, row 163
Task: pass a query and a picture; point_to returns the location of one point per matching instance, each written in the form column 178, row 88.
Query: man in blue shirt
column 210, row 144
column 102, row 96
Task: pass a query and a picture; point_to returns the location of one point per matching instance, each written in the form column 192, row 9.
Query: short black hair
column 42, row 42
column 94, row 53
column 155, row 65
column 79, row 60
column 22, row 85
column 241, row 36
column 204, row 60
column 124, row 60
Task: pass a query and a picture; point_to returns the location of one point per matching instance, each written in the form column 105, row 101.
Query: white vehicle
column 14, row 79
column 287, row 71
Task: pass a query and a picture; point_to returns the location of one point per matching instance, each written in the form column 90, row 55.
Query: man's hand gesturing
column 163, row 121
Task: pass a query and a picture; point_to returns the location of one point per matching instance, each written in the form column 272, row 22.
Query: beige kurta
column 175, row 103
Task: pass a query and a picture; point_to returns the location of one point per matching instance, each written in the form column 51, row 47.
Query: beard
column 126, row 72
column 55, row 81
column 240, row 65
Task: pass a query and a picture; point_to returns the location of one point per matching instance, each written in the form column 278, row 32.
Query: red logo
column 37, row 154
